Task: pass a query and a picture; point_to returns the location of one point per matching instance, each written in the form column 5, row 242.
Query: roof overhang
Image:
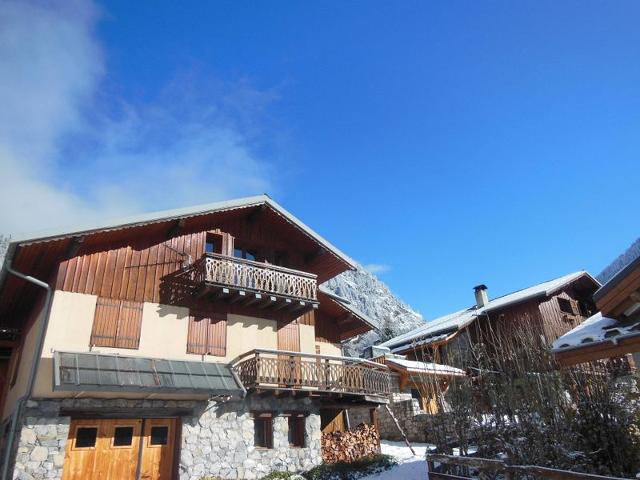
column 362, row 322
column 589, row 352
column 96, row 372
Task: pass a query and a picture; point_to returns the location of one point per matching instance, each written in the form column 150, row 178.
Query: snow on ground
column 410, row 467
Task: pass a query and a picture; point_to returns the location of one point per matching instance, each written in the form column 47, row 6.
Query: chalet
column 612, row 334
column 547, row 310
column 178, row 344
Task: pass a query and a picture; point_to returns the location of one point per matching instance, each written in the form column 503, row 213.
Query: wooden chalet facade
column 612, row 334
column 543, row 312
column 177, row 345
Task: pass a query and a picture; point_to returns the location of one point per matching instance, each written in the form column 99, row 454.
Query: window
column 296, row 430
column 263, row 430
column 210, row 246
column 117, row 323
column 566, row 306
column 207, row 334
column 122, row 436
column 213, row 243
column 246, row 254
column 159, row 435
column 86, row 437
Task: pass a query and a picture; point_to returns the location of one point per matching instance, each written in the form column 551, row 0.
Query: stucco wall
column 163, row 335
column 20, row 387
column 329, row 348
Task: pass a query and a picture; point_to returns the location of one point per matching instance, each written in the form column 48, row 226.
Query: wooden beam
column 74, row 246
column 251, row 299
column 286, row 303
column 175, row 228
column 238, row 296
column 254, row 215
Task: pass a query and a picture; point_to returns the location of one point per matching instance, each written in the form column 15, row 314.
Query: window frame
column 299, row 421
column 266, row 420
column 566, row 303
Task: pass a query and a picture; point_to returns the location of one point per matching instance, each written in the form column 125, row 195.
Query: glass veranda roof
column 116, row 373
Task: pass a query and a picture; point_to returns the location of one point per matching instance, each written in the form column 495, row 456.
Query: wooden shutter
column 218, row 335
column 129, row 325
column 117, row 323
column 207, row 334
column 105, row 323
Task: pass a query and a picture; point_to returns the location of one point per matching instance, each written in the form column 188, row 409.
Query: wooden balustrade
column 244, row 274
column 274, row 369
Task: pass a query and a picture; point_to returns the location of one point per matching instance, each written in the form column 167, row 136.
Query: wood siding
column 117, row 323
column 289, row 336
column 207, row 334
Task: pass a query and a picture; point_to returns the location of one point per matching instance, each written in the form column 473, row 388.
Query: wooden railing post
column 257, row 360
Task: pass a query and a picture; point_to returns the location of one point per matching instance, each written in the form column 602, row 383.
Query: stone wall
column 220, row 441
column 407, row 411
column 217, row 438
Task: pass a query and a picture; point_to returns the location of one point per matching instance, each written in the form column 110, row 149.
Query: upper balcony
column 274, row 371
column 253, row 283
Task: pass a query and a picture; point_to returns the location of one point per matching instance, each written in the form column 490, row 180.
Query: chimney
column 482, row 295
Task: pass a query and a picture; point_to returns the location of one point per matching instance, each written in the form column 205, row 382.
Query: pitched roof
column 411, row 366
column 166, row 216
column 616, row 279
column 447, row 325
column 347, row 305
column 596, row 329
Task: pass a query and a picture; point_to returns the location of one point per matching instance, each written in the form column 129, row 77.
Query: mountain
column 628, row 256
column 4, row 244
column 372, row 297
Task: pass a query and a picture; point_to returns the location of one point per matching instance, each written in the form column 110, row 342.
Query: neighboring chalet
column 179, row 344
column 546, row 311
column 614, row 332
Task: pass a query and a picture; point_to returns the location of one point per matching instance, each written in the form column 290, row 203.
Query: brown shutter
column 197, row 337
column 117, row 323
column 129, row 325
column 207, row 334
column 105, row 323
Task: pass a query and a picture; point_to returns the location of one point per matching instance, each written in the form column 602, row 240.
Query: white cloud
column 377, row 268
column 70, row 155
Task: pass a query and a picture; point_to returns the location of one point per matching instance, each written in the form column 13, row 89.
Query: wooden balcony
column 315, row 375
column 253, row 283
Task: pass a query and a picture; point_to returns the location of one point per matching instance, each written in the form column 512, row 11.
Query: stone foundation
column 217, row 439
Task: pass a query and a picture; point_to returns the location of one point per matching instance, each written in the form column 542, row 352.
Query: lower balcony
column 299, row 374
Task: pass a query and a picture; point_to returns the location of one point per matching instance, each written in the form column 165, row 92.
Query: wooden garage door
column 110, row 449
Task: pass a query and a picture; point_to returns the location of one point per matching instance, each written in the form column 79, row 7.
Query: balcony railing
column 243, row 274
column 281, row 370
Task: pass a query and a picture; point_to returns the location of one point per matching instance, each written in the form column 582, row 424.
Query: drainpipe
column 34, row 364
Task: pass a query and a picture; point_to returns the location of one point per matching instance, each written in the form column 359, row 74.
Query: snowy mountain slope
column 371, row 296
column 628, row 256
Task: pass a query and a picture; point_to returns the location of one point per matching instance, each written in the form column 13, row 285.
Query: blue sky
column 444, row 144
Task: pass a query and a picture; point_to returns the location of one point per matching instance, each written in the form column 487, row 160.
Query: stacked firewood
column 360, row 442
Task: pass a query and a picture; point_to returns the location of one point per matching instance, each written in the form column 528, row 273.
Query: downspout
column 34, row 364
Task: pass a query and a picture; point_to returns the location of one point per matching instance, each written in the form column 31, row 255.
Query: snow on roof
column 426, row 367
column 596, row 328
column 434, row 329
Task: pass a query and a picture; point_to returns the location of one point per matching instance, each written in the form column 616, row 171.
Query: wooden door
column 110, row 449
column 102, row 449
column 158, row 449
column 289, row 340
